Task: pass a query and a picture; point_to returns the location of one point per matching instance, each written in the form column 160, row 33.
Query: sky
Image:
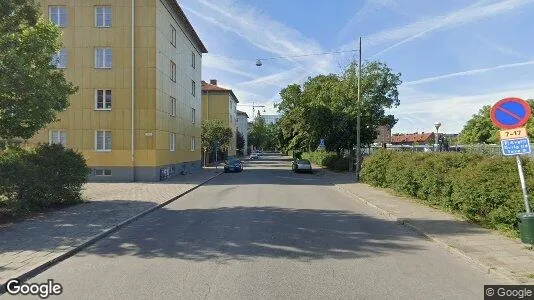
column 455, row 56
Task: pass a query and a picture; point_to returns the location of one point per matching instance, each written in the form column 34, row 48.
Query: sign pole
column 523, row 183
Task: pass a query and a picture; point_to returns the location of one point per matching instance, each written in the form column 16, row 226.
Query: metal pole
column 359, row 113
column 523, row 184
column 216, row 152
column 436, row 146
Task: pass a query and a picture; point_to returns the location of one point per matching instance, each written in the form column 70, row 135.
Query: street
column 266, row 233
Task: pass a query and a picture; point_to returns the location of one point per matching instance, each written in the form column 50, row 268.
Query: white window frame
column 61, row 137
column 104, row 102
column 60, row 59
column 172, row 142
column 104, row 144
column 193, row 88
column 173, row 36
column 103, row 172
column 60, row 15
column 106, row 11
column 172, row 106
column 107, row 58
column 193, row 144
column 193, row 115
column 173, row 71
column 193, row 60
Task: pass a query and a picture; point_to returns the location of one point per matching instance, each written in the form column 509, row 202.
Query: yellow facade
column 221, row 106
column 155, row 45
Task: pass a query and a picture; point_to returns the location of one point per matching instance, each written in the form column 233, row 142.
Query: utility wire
column 311, row 54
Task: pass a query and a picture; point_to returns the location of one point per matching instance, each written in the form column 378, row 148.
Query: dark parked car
column 233, row 165
column 302, row 165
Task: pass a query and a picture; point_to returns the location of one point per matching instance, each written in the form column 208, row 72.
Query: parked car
column 302, row 165
column 233, row 165
column 254, row 156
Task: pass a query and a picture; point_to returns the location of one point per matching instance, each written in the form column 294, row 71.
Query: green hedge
column 329, row 160
column 47, row 176
column 483, row 189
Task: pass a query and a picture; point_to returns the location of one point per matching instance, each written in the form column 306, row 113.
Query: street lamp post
column 436, row 145
column 358, row 146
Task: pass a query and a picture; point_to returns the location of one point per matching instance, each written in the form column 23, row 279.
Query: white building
column 242, row 126
column 271, row 119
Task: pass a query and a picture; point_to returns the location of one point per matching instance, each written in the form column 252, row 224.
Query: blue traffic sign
column 322, row 143
column 515, row 146
column 510, row 113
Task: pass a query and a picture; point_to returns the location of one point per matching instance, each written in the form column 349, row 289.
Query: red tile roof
column 412, row 138
column 208, row 87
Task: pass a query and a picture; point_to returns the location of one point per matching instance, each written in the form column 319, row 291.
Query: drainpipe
column 133, row 90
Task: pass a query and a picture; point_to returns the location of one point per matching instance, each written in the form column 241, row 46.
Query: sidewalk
column 495, row 253
column 31, row 243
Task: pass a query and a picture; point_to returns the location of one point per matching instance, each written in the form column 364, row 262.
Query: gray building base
column 147, row 174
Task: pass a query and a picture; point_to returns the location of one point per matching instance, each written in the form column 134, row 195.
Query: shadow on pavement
column 68, row 227
column 244, row 233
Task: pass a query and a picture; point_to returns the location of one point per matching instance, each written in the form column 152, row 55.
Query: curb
column 455, row 251
column 39, row 269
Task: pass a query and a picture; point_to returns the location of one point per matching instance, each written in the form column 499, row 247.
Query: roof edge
column 188, row 25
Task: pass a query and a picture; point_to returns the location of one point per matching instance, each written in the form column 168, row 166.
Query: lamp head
column 258, row 63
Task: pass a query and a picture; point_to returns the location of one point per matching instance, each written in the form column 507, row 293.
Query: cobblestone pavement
column 30, row 243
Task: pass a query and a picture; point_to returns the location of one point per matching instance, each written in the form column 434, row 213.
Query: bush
column 47, row 176
column 329, row 160
column 483, row 189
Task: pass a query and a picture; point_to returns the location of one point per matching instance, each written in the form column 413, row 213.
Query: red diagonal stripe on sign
column 504, row 110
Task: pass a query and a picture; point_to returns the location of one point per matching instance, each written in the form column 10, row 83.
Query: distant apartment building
column 136, row 115
column 220, row 103
column 242, row 127
column 271, row 119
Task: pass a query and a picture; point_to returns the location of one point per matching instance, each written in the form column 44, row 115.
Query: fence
column 487, row 149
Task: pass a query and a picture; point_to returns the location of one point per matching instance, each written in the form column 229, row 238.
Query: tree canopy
column 214, row 133
column 32, row 89
column 263, row 135
column 325, row 107
column 480, row 130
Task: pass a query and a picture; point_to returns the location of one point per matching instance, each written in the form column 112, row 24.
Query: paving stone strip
column 30, row 243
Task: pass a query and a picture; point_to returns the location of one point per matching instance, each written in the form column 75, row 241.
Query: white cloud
column 473, row 13
column 468, row 73
column 418, row 111
column 227, row 64
column 500, row 48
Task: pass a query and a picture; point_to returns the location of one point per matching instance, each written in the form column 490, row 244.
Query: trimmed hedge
column 47, row 176
column 483, row 189
column 329, row 160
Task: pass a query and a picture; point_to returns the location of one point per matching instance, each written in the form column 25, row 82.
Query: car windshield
column 233, row 161
column 304, row 161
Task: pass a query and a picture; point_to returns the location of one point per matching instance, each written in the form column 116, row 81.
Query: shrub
column 46, row 176
column 482, row 188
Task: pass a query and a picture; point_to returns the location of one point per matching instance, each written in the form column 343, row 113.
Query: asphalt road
column 266, row 233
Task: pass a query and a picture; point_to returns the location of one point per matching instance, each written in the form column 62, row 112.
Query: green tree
column 32, row 90
column 240, row 141
column 325, row 107
column 214, row 136
column 258, row 133
column 480, row 130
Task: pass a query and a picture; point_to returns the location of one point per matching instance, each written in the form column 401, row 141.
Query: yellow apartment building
column 137, row 63
column 219, row 103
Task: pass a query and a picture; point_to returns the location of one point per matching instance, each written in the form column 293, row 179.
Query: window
column 172, row 142
column 58, row 15
column 193, row 59
column 103, row 100
column 103, row 16
column 193, row 87
column 103, row 58
column 173, row 36
column 60, row 59
column 58, row 137
column 193, row 115
column 172, row 106
column 173, row 71
column 102, row 172
column 103, row 140
column 193, row 143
